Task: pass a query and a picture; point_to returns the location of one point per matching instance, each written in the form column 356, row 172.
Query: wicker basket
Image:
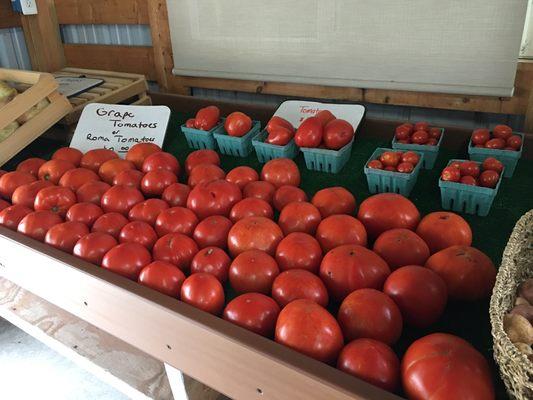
column 517, row 265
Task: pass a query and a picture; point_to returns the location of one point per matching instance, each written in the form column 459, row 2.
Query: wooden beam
column 8, row 18
column 102, row 11
column 528, row 125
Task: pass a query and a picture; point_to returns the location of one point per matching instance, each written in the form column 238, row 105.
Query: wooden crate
column 117, row 88
column 39, row 86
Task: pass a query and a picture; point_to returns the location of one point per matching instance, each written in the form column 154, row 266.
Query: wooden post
column 43, row 39
column 528, row 124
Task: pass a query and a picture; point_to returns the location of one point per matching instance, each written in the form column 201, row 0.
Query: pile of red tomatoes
column 419, row 133
column 396, row 161
column 236, row 124
column 486, row 174
column 324, row 130
column 501, row 138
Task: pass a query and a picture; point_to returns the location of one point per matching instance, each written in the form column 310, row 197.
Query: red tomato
column 147, row 211
column 280, row 172
column 110, row 223
column 495, row 143
column 469, row 274
column 138, row 232
column 403, row 131
column 443, row 229
column 399, row 247
column 237, row 124
column 31, row 166
column 299, row 217
column 480, row 136
column 251, row 207
column 390, row 158
column 350, row 267
column 54, row 198
column 340, row 229
column 130, row 177
column 279, row 136
column 204, row 156
column 392, row 169
column 509, row 148
column 77, row 177
column 325, row 116
column 212, row 260
column 419, row 293
column 434, row 133
column 502, row 132
column 375, row 164
column 111, row 168
column 253, row 271
column 213, row 198
column 468, row 180
column 456, row 164
column 204, row 173
column 92, row 192
column 371, row 361
column 442, row 366
column 176, row 194
column 309, row 133
column 490, row 163
column 276, row 121
column 121, row 199
column 287, row 194
column 470, row 168
column 12, row 180
column 407, row 141
column 369, row 313
column 405, row 167
column 176, row 220
column 65, row 235
column 253, row 311
column 25, row 194
column 190, row 123
column 257, row 233
column 334, row 200
column 93, row 159
column 514, row 141
column 451, row 174
column 69, row 154
column 86, row 213
column 295, row 284
column 203, row 291
column 207, row 118
column 154, row 183
column 212, row 231
column 163, row 277
column 2, row 172
column 337, row 134
column 420, row 137
column 161, row 160
column 421, row 126
column 138, row 152
column 4, row 204
column 242, row 175
column 37, row 223
column 299, row 251
column 176, row 249
column 260, row 190
column 10, row 217
column 127, row 259
column 410, row 157
column 310, row 329
column 94, row 246
column 489, row 179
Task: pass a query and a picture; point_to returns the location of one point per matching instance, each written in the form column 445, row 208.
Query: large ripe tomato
column 371, row 361
column 176, row 195
column 161, row 160
column 163, row 277
column 350, row 267
column 386, row 211
column 242, row 175
column 121, row 199
column 175, row 248
column 77, row 177
column 253, row 311
column 65, row 235
column 138, row 152
column 204, row 156
column 93, row 159
column 94, row 246
column 299, row 217
column 309, row 133
column 334, row 200
column 204, row 173
column 443, row 229
column 127, row 259
column 53, row 170
column 369, row 313
column 340, row 229
column 110, row 223
column 212, row 231
column 176, row 220
column 86, row 213
column 253, row 271
column 279, row 136
column 337, row 134
column 281, row 171
column 12, row 180
column 154, row 183
column 420, row 294
column 92, row 192
column 469, row 274
column 111, row 168
column 147, row 211
column 25, row 194
column 237, row 124
column 207, row 118
column 213, row 198
column 130, row 177
column 295, row 284
column 251, row 207
column 299, row 250
column 502, row 132
column 325, row 116
column 480, row 136
column 138, row 232
column 310, row 329
column 287, row 194
column 257, row 233
column 10, row 217
column 400, row 247
column 442, row 367
column 69, row 154
column 277, row 121
column 37, row 223
column 31, row 166
column 55, row 198
column 259, row 190
column 203, row 291
column 212, row 260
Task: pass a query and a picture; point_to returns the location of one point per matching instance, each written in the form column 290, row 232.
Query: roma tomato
column 138, row 232
column 31, row 166
column 299, row 251
column 515, row 142
column 212, row 260
column 253, row 311
column 37, row 223
column 390, row 158
column 254, row 233
column 421, row 126
column 334, row 200
column 94, row 246
column 280, row 172
column 138, row 152
column 65, row 235
column 350, row 267
column 502, row 132
column 405, row 167
column 299, row 217
column 490, row 163
column 337, row 134
column 375, row 164
column 207, row 118
column 25, row 194
column 127, row 259
column 340, row 229
column 86, row 213
column 260, row 190
column 163, row 277
column 213, row 198
column 176, row 249
column 147, row 211
column 410, row 157
column 204, row 173
column 469, row 168
column 480, row 136
column 325, row 116
column 111, row 168
column 12, row 180
column 287, row 194
column 110, row 223
column 400, row 247
column 161, row 160
column 369, row 313
column 53, row 170
column 276, row 121
column 77, row 177
column 190, row 123
column 495, row 143
column 489, row 179
column 56, row 199
column 451, row 174
column 92, row 192
column 468, row 180
column 253, row 271
column 403, row 131
column 69, row 154
column 130, row 177
column 420, row 137
column 204, row 156
column 310, row 329
column 154, row 183
column 309, row 133
column 279, row 136
column 419, row 293
column 176, row 195
column 242, row 175
column 93, row 159
column 237, row 124
column 10, row 217
column 295, row 284
column 203, row 291
column 435, row 133
column 176, row 220
column 251, row 207
column 443, row 229
column 212, row 231
column 121, row 199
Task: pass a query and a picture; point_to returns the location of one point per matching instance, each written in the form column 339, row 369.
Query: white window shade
column 453, row 46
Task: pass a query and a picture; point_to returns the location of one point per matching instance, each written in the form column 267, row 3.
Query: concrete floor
column 31, row 370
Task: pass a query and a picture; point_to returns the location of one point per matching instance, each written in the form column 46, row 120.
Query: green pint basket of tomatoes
column 267, row 151
column 419, row 137
column 234, row 136
column 199, row 130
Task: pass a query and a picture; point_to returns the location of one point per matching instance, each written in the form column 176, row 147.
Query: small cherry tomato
column 480, row 136
column 515, row 142
column 69, row 154
column 493, row 164
column 110, row 223
column 375, row 164
column 403, row 131
column 489, row 179
column 86, row 213
column 451, row 174
column 295, row 284
column 127, row 259
column 163, row 277
column 253, row 271
column 410, row 157
column 470, row 168
column 390, row 158
column 37, row 223
column 138, row 232
column 253, row 311
column 212, row 260
column 421, row 126
column 405, row 167
column 94, row 246
column 237, row 124
column 287, row 194
column 65, row 235
column 468, row 180
column 203, row 291
column 420, row 137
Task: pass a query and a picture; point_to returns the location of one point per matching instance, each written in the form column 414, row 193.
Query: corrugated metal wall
column 126, row 35
column 13, row 50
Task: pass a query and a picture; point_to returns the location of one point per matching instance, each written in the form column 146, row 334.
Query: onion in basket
column 7, row 93
column 32, row 112
column 8, row 130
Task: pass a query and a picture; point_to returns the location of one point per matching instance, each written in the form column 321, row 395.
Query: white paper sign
column 119, row 127
column 73, row 85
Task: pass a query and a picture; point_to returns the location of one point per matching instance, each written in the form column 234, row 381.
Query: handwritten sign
column 72, row 85
column 119, row 127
